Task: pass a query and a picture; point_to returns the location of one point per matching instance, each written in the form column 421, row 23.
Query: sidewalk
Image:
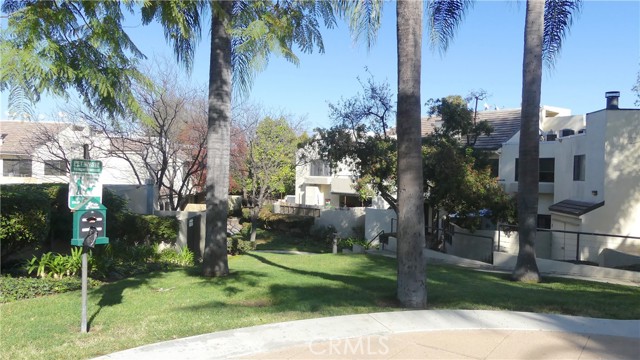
column 423, row 334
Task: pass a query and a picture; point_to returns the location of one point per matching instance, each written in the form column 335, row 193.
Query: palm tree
column 242, row 36
column 412, row 290
column 545, row 27
column 444, row 17
column 218, row 144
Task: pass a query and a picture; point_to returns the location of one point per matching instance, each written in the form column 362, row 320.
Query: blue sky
column 601, row 53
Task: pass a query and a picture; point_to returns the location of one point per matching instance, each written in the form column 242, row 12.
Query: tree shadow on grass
column 361, row 281
column 112, row 293
column 454, row 288
column 362, row 288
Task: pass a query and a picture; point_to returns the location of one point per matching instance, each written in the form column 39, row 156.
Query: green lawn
column 265, row 288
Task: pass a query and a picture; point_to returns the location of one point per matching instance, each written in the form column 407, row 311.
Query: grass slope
column 265, row 288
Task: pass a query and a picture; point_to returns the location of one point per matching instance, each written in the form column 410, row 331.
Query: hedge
column 34, row 217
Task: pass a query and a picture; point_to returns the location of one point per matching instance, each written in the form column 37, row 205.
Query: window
column 495, row 168
column 320, row 168
column 16, row 167
column 55, row 167
column 546, row 170
column 578, row 167
column 544, row 221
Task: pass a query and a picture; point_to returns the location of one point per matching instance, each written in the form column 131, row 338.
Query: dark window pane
column 546, row 169
column 16, row 167
column 578, row 167
column 544, row 221
column 55, row 167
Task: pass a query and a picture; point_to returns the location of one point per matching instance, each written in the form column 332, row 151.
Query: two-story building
column 39, row 152
column 589, row 180
column 317, row 184
column 589, row 192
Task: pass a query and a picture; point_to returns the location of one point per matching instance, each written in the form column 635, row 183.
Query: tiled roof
column 505, row 123
column 574, row 207
column 18, row 136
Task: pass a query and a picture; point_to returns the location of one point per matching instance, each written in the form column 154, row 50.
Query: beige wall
column 378, row 220
column 344, row 220
column 621, row 211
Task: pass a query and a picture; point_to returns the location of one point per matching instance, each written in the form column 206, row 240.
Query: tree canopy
column 57, row 46
column 456, row 177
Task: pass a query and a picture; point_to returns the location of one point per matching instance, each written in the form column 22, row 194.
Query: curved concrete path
column 424, row 334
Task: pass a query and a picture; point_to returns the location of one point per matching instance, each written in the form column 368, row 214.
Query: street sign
column 85, row 188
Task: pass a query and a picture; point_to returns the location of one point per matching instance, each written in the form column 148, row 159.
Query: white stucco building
column 318, row 185
column 39, row 152
column 36, row 152
column 589, row 180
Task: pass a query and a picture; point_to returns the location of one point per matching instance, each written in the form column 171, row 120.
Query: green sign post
column 89, row 215
column 85, row 188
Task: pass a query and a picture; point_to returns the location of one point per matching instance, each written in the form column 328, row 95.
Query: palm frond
column 558, row 18
column 444, row 18
column 20, row 104
column 363, row 16
column 262, row 28
column 181, row 23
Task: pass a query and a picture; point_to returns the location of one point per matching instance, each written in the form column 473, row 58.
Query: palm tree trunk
column 218, row 145
column 529, row 149
column 412, row 291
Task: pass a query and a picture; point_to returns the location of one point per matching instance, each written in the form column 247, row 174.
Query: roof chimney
column 612, row 99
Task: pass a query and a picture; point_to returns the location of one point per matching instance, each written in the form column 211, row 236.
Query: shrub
column 151, row 229
column 287, row 222
column 56, row 265
column 246, row 214
column 25, row 218
column 183, row 257
column 12, row 289
column 324, row 233
column 237, row 246
column 347, row 243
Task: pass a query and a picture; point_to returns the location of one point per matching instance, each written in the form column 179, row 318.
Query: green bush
column 347, row 243
column 237, row 246
column 149, row 229
column 60, row 231
column 56, row 265
column 324, row 233
column 12, row 289
column 286, row 222
column 25, row 218
column 183, row 257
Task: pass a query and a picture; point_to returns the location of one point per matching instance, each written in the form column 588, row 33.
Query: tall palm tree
column 242, row 35
column 218, row 144
column 444, row 17
column 526, row 268
column 546, row 24
column 411, row 287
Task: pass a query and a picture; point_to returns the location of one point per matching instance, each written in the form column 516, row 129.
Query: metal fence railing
column 300, row 210
column 577, row 238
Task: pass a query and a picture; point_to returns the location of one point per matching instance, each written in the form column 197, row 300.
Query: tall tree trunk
column 412, row 290
column 529, row 149
column 218, row 145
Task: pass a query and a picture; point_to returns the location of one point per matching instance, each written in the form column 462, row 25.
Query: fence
column 579, row 245
column 299, row 210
